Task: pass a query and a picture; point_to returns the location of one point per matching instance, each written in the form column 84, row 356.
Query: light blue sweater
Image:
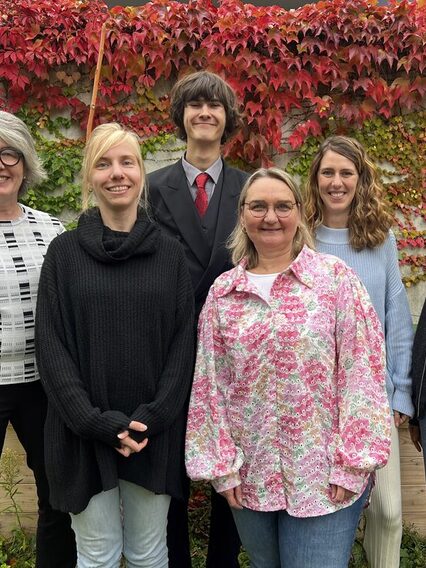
column 379, row 271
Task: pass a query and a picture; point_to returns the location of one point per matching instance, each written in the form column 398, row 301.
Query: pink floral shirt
column 289, row 394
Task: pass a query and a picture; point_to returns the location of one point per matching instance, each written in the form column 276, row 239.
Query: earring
column 243, row 229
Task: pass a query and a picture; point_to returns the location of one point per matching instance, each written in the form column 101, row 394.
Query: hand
column 415, row 436
column 135, row 426
column 339, row 494
column 128, row 444
column 233, row 496
column 399, row 418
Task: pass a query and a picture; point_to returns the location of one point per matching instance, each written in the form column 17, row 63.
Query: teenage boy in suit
column 201, row 213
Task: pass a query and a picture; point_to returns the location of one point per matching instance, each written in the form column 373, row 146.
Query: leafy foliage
column 335, row 66
column 343, row 58
column 9, row 482
column 413, row 549
column 18, row 549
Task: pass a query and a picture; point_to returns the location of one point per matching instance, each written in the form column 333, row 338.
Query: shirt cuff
column 226, row 482
column 401, row 401
column 354, row 482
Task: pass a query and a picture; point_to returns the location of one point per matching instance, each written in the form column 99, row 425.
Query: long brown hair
column 369, row 221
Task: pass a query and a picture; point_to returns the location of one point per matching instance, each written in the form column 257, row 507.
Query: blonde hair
column 101, row 140
column 369, row 221
column 239, row 242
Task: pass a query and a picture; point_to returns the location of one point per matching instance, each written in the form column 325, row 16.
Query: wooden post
column 96, row 82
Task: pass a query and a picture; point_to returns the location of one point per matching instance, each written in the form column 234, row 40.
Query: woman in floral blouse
column 288, row 414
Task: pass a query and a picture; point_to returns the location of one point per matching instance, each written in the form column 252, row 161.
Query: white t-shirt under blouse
column 263, row 283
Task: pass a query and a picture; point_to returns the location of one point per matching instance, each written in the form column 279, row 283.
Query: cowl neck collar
column 142, row 239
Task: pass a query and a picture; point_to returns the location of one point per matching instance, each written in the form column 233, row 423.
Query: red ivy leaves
column 347, row 59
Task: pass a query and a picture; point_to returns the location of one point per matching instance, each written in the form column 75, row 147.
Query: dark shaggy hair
column 207, row 86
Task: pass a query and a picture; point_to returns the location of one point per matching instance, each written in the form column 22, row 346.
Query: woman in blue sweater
column 347, row 213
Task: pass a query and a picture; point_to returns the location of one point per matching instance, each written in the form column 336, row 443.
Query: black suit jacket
column 174, row 210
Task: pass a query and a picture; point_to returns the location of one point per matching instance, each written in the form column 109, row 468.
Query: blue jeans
column 277, row 540
column 126, row 520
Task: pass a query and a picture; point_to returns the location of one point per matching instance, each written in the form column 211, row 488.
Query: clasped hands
column 129, row 445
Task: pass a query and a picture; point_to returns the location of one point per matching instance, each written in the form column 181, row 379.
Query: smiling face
column 204, row 121
column 117, row 180
column 337, row 182
column 270, row 233
column 11, row 178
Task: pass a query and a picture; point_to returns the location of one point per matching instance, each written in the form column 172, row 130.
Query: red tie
column 201, row 199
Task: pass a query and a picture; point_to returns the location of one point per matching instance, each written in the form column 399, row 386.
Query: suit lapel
column 231, row 189
column 226, row 220
column 178, row 200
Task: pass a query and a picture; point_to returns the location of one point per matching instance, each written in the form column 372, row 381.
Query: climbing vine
column 336, row 66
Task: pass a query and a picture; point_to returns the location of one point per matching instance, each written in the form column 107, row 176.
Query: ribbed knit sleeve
column 398, row 332
column 378, row 270
column 59, row 370
column 175, row 380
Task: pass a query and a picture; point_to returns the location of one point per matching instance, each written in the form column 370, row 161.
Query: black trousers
column 224, row 542
column 24, row 406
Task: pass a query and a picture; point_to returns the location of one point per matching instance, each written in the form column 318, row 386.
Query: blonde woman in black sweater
column 114, row 337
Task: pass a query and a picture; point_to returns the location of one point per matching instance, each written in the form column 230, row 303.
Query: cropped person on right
column 347, row 213
column 418, row 371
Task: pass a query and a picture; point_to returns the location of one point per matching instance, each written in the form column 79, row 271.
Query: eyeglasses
column 10, row 156
column 259, row 209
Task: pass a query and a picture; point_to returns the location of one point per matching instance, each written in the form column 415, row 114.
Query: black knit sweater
column 114, row 343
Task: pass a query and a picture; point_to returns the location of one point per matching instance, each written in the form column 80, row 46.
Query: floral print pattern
column 289, row 394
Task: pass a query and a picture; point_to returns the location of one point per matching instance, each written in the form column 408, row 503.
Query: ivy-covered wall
column 339, row 66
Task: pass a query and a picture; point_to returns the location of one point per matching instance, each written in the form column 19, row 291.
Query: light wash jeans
column 277, row 540
column 126, row 520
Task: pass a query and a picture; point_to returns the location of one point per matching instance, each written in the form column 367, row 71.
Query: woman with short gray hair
column 24, row 237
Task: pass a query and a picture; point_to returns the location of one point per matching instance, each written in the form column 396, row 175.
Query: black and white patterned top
column 23, row 244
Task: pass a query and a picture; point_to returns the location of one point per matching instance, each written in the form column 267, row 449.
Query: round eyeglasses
column 10, row 156
column 259, row 209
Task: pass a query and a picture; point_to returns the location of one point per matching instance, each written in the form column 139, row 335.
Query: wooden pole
column 96, row 82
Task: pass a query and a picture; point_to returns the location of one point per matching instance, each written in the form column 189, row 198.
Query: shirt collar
column 302, row 267
column 192, row 172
